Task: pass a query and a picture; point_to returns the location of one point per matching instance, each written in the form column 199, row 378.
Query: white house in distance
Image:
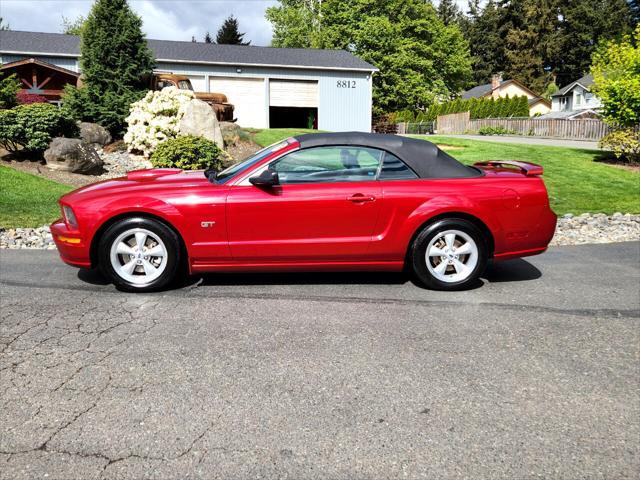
column 575, row 100
column 270, row 87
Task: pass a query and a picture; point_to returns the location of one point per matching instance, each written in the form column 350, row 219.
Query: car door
column 324, row 208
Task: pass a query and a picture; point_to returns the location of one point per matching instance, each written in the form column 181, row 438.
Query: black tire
column 418, row 251
column 171, row 244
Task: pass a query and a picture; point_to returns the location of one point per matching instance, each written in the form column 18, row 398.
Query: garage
column 198, row 82
column 293, row 103
column 247, row 95
column 327, row 90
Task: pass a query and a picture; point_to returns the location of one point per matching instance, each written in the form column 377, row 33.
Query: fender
column 449, row 205
column 138, row 205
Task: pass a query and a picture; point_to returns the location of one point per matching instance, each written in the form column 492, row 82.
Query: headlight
column 69, row 216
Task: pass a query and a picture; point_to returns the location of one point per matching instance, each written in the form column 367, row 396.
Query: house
column 499, row 88
column 270, row 87
column 575, row 100
column 40, row 78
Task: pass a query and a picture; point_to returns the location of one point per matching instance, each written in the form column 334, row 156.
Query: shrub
column 155, row 119
column 9, row 87
column 31, row 127
column 25, row 98
column 495, row 131
column 624, row 143
column 187, row 152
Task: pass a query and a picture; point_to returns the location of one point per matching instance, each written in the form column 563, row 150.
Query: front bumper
column 73, row 248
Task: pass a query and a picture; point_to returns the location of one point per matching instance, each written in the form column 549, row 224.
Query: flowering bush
column 25, row 98
column 155, row 119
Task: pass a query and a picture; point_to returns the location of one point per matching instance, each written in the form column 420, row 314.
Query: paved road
column 534, row 374
column 551, row 142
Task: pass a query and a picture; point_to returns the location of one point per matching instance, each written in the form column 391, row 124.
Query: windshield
column 233, row 170
column 185, row 85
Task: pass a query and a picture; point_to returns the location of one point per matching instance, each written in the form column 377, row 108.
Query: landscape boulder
column 94, row 134
column 200, row 120
column 230, row 133
column 72, row 155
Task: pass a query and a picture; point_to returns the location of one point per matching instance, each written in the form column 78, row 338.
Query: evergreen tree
column 449, row 12
column 114, row 61
column 532, row 41
column 634, row 5
column 584, row 24
column 229, row 33
column 482, row 30
column 207, row 38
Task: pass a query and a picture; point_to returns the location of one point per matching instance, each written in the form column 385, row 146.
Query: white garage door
column 293, row 93
column 248, row 97
column 199, row 85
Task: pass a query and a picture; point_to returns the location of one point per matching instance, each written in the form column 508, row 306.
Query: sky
column 162, row 19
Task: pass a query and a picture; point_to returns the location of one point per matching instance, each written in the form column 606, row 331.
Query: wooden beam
column 24, row 80
column 34, row 76
column 46, row 80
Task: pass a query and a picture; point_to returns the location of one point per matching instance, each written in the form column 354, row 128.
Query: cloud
column 162, row 19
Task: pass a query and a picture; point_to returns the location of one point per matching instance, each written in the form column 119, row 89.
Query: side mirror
column 267, row 178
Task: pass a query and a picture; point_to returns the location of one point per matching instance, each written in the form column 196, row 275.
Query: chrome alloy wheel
column 138, row 256
column 451, row 256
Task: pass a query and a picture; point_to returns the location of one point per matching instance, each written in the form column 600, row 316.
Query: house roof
column 35, row 61
column 569, row 114
column 57, row 44
column 533, row 101
column 584, row 82
column 478, row 91
column 486, row 89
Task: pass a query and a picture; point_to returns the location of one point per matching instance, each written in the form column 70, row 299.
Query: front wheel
column 139, row 254
column 449, row 254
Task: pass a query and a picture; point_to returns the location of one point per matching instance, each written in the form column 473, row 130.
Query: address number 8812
column 346, row 83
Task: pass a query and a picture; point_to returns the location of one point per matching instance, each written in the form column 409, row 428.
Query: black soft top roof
column 424, row 158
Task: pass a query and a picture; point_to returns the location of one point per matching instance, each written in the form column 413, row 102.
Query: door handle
column 360, row 198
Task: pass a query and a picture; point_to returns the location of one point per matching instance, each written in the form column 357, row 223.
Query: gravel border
column 571, row 230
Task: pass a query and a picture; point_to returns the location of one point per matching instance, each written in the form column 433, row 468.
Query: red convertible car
column 319, row 202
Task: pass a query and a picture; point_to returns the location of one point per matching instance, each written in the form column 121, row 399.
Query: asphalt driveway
column 534, row 374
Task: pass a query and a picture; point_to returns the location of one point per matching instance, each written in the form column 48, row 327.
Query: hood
column 141, row 181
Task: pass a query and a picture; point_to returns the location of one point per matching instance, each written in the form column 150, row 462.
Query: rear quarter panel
column 510, row 205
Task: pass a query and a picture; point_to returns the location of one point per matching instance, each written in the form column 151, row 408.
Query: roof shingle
column 27, row 43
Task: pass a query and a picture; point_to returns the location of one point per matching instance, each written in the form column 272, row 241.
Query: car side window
column 395, row 169
column 328, row 164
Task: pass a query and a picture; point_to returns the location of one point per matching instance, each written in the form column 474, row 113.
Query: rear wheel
column 449, row 254
column 139, row 254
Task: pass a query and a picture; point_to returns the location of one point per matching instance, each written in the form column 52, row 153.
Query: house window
column 578, row 99
column 564, row 103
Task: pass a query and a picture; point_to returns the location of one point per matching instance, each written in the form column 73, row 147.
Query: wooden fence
column 579, row 129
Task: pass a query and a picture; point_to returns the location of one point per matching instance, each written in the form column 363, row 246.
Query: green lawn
column 27, row 200
column 272, row 135
column 576, row 182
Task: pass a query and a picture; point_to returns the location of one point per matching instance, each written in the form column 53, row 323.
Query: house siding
column 339, row 108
